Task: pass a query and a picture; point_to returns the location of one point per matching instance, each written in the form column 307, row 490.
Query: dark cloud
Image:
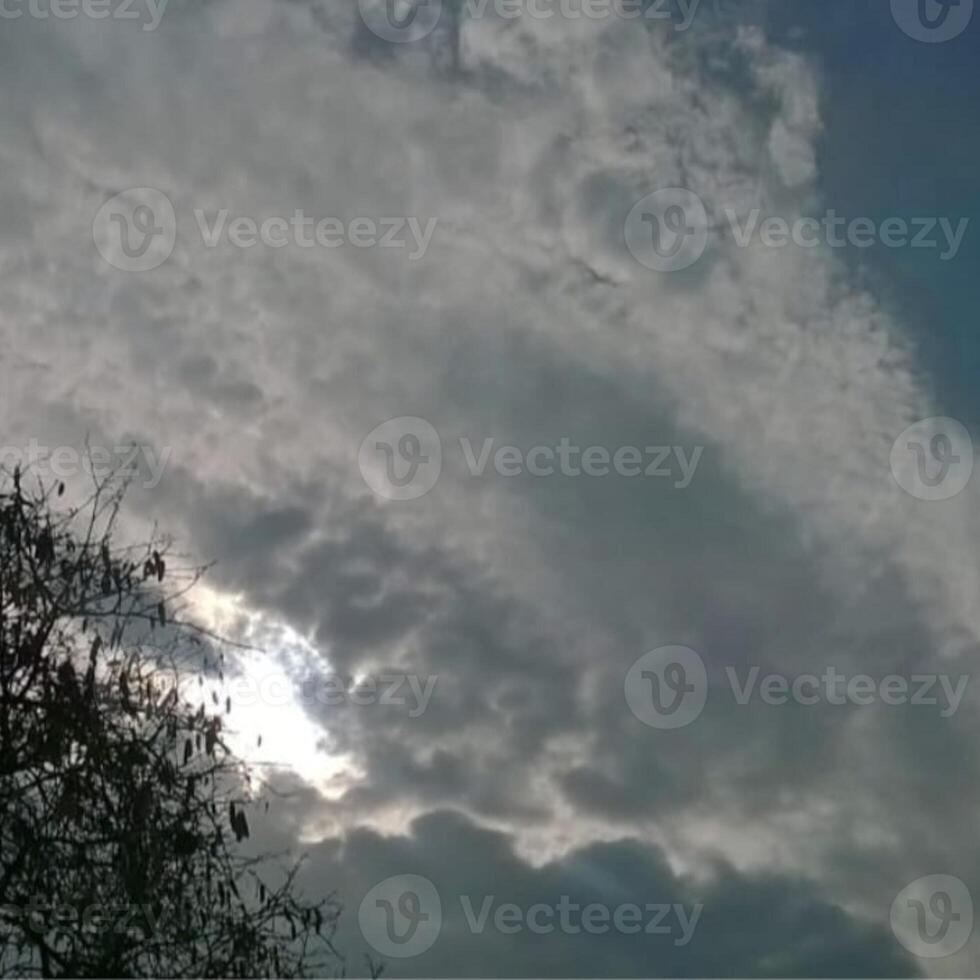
column 765, row 925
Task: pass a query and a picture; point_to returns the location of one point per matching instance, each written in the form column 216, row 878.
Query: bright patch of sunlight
column 266, row 701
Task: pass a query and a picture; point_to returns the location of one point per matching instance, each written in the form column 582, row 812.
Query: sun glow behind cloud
column 268, row 725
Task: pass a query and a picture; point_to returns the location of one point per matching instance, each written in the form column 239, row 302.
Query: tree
column 122, row 809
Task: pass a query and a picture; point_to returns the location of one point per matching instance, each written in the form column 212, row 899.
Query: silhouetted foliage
column 122, row 810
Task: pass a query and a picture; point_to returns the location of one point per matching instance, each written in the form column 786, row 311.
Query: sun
column 269, row 725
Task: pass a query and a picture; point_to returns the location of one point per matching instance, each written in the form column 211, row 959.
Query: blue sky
column 899, row 140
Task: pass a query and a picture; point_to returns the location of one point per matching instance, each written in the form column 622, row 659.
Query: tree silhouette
column 122, row 809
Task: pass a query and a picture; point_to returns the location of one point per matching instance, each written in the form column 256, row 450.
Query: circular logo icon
column 933, row 21
column 933, row 459
column 400, row 21
column 401, row 916
column 667, row 230
column 667, row 687
column 933, row 916
column 136, row 231
column 401, row 459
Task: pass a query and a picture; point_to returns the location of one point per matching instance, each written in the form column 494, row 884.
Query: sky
column 602, row 514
